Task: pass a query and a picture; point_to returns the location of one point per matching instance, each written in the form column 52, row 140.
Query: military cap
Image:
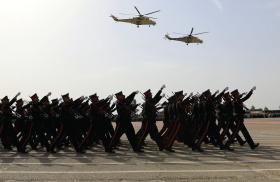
column 206, row 92
column 235, row 92
column 119, row 94
column 147, row 92
column 34, row 96
column 19, row 101
column 179, row 93
column 65, row 95
column 93, row 96
column 4, row 98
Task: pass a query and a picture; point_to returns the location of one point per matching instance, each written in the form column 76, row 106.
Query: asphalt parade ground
column 243, row 164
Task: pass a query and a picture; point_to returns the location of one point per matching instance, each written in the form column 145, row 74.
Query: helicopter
column 187, row 38
column 140, row 19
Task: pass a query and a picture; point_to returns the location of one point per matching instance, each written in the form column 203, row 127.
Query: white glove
column 110, row 97
column 162, row 87
column 17, row 94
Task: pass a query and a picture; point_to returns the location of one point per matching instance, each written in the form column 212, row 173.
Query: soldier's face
column 47, row 102
column 236, row 95
column 94, row 99
column 35, row 99
column 149, row 96
column 66, row 99
column 121, row 97
column 19, row 104
column 5, row 101
column 180, row 97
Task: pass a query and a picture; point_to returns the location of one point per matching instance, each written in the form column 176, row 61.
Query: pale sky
column 74, row 46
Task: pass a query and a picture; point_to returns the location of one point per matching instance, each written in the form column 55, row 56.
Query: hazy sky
column 74, row 46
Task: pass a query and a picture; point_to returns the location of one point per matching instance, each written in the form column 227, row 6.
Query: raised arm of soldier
column 158, row 96
column 221, row 94
column 248, row 95
column 43, row 98
column 130, row 98
column 14, row 99
column 78, row 102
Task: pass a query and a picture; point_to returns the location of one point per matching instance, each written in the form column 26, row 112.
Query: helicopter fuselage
column 187, row 39
column 137, row 21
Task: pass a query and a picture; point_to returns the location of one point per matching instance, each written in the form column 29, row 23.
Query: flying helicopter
column 140, row 19
column 187, row 38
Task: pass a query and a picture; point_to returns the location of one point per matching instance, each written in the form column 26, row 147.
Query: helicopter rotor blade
column 200, row 33
column 138, row 11
column 128, row 14
column 151, row 17
column 180, row 34
column 152, row 12
column 191, row 31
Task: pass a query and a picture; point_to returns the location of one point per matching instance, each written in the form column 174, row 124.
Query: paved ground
column 243, row 164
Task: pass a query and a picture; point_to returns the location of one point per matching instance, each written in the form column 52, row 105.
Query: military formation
column 207, row 118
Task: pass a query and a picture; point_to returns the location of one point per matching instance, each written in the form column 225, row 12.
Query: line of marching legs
column 211, row 118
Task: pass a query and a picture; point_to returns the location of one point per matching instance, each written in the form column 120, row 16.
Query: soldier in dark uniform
column 214, row 130
column 39, row 118
column 165, row 121
column 23, row 124
column 69, row 123
column 19, row 122
column 176, row 126
column 149, row 118
column 124, row 124
column 239, row 118
column 98, row 114
column 8, row 134
column 57, row 125
column 226, row 118
column 169, row 117
column 202, row 122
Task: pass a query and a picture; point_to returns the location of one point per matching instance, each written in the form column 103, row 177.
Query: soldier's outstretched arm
column 130, row 98
column 77, row 102
column 41, row 101
column 247, row 96
column 14, row 99
column 221, row 94
column 158, row 96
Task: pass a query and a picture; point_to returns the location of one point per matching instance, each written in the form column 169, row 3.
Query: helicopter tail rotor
column 114, row 18
column 167, row 36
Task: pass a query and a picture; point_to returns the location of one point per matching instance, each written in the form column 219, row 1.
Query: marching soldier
column 7, row 133
column 239, row 118
column 178, row 113
column 124, row 124
column 149, row 118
